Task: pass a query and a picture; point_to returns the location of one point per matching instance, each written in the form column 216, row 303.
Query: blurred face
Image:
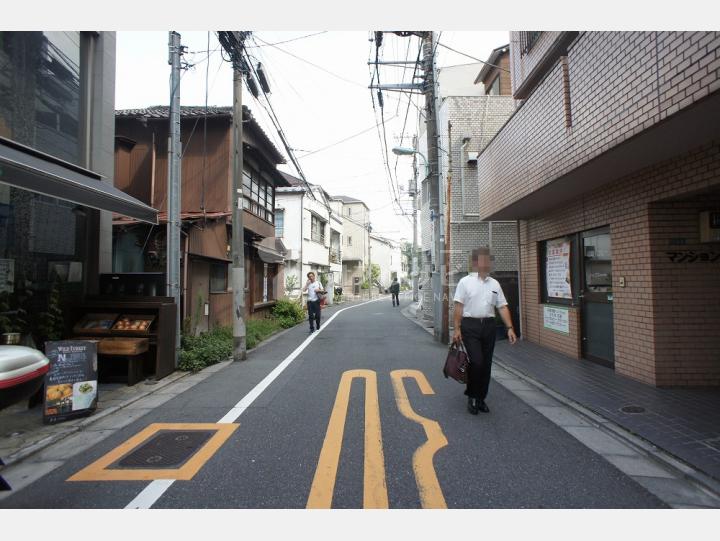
column 481, row 265
column 311, row 277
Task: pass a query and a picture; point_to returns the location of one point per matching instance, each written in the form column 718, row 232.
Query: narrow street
column 294, row 447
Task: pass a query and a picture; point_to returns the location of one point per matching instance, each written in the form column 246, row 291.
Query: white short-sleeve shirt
column 312, row 289
column 479, row 297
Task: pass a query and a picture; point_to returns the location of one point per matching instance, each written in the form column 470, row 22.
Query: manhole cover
column 632, row 409
column 167, row 449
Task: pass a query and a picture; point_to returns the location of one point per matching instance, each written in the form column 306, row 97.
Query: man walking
column 395, row 291
column 476, row 297
column 314, row 290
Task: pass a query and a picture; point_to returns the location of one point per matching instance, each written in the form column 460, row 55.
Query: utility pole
column 233, row 43
column 370, row 270
column 415, row 262
column 434, row 178
column 445, row 338
column 174, row 184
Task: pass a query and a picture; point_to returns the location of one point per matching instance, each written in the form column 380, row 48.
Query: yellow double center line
column 375, row 488
column 323, row 485
column 431, row 496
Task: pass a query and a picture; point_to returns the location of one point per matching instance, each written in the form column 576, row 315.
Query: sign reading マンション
column 71, row 383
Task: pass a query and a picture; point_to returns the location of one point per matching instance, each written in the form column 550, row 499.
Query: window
column 258, row 195
column 218, row 277
column 41, row 91
column 558, row 266
column 349, row 211
column 494, row 88
column 279, row 223
column 349, row 241
column 527, row 40
column 317, row 229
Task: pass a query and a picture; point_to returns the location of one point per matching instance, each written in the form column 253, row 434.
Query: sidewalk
column 682, row 422
column 22, row 432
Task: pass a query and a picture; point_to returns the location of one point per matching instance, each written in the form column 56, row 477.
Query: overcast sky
column 316, row 108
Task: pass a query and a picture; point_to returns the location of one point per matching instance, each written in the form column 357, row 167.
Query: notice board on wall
column 557, row 269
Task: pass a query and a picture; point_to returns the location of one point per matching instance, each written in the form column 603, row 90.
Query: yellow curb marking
column 431, row 495
column 323, row 485
column 97, row 470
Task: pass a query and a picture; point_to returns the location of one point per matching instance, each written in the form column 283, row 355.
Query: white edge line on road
column 152, row 493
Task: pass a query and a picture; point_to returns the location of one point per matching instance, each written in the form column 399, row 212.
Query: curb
column 674, row 464
column 52, row 439
column 668, row 460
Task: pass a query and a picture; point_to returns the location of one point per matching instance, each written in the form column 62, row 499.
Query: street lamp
column 405, row 151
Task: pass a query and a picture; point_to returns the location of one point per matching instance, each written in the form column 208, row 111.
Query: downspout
column 302, row 241
column 185, row 274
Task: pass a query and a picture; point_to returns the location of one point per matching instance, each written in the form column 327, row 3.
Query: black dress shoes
column 473, row 406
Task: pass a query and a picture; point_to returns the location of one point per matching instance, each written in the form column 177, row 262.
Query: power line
column 287, row 40
column 470, row 56
column 358, row 134
column 312, row 64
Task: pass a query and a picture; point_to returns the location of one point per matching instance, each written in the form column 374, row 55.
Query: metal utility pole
column 415, row 262
column 174, row 183
column 233, row 43
column 434, row 177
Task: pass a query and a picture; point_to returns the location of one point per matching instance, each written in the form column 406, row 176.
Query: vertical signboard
column 71, row 382
column 557, row 269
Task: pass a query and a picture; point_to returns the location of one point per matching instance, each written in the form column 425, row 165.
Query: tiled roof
column 346, row 199
column 494, row 57
column 193, row 111
column 162, row 111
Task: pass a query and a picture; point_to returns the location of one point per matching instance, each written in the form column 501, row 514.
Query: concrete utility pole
column 233, row 43
column 174, row 184
column 370, row 272
column 434, row 178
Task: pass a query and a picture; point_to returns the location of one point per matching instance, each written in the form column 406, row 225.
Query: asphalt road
column 510, row 458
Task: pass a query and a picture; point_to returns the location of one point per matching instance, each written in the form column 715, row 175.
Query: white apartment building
column 387, row 255
column 356, row 242
column 312, row 232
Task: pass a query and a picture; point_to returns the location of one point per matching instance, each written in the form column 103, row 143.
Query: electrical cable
column 470, row 56
column 287, row 40
column 312, row 64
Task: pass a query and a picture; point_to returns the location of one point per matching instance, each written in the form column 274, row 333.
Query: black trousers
column 314, row 313
column 479, row 339
column 396, row 298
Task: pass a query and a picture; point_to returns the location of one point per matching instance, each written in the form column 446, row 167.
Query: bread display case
column 140, row 329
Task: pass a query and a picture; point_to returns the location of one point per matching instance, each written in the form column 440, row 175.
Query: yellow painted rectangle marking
column 97, row 471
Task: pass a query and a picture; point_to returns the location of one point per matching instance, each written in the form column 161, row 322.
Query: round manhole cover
column 632, row 409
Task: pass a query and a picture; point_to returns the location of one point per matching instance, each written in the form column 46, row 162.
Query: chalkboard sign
column 71, row 383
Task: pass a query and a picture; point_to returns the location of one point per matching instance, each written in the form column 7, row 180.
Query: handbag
column 457, row 363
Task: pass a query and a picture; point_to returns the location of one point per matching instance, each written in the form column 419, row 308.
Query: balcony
column 335, row 256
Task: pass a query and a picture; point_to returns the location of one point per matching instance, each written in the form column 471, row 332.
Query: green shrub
column 288, row 313
column 208, row 348
column 257, row 330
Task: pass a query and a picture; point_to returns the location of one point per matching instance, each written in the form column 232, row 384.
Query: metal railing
column 527, row 40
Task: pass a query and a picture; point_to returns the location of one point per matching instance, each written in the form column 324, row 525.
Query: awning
column 271, row 250
column 29, row 169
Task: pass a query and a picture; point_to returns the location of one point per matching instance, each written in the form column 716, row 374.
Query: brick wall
column 666, row 317
column 621, row 83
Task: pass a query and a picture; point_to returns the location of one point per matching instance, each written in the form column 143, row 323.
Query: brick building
column 468, row 118
column 611, row 164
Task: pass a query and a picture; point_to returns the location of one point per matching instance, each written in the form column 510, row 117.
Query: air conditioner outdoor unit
column 472, row 157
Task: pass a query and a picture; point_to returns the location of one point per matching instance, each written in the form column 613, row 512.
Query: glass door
column 596, row 297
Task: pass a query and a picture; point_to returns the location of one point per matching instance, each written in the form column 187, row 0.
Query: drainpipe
column 185, row 274
column 463, row 147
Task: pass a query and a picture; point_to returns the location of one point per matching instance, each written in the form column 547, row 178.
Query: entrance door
column 598, row 343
